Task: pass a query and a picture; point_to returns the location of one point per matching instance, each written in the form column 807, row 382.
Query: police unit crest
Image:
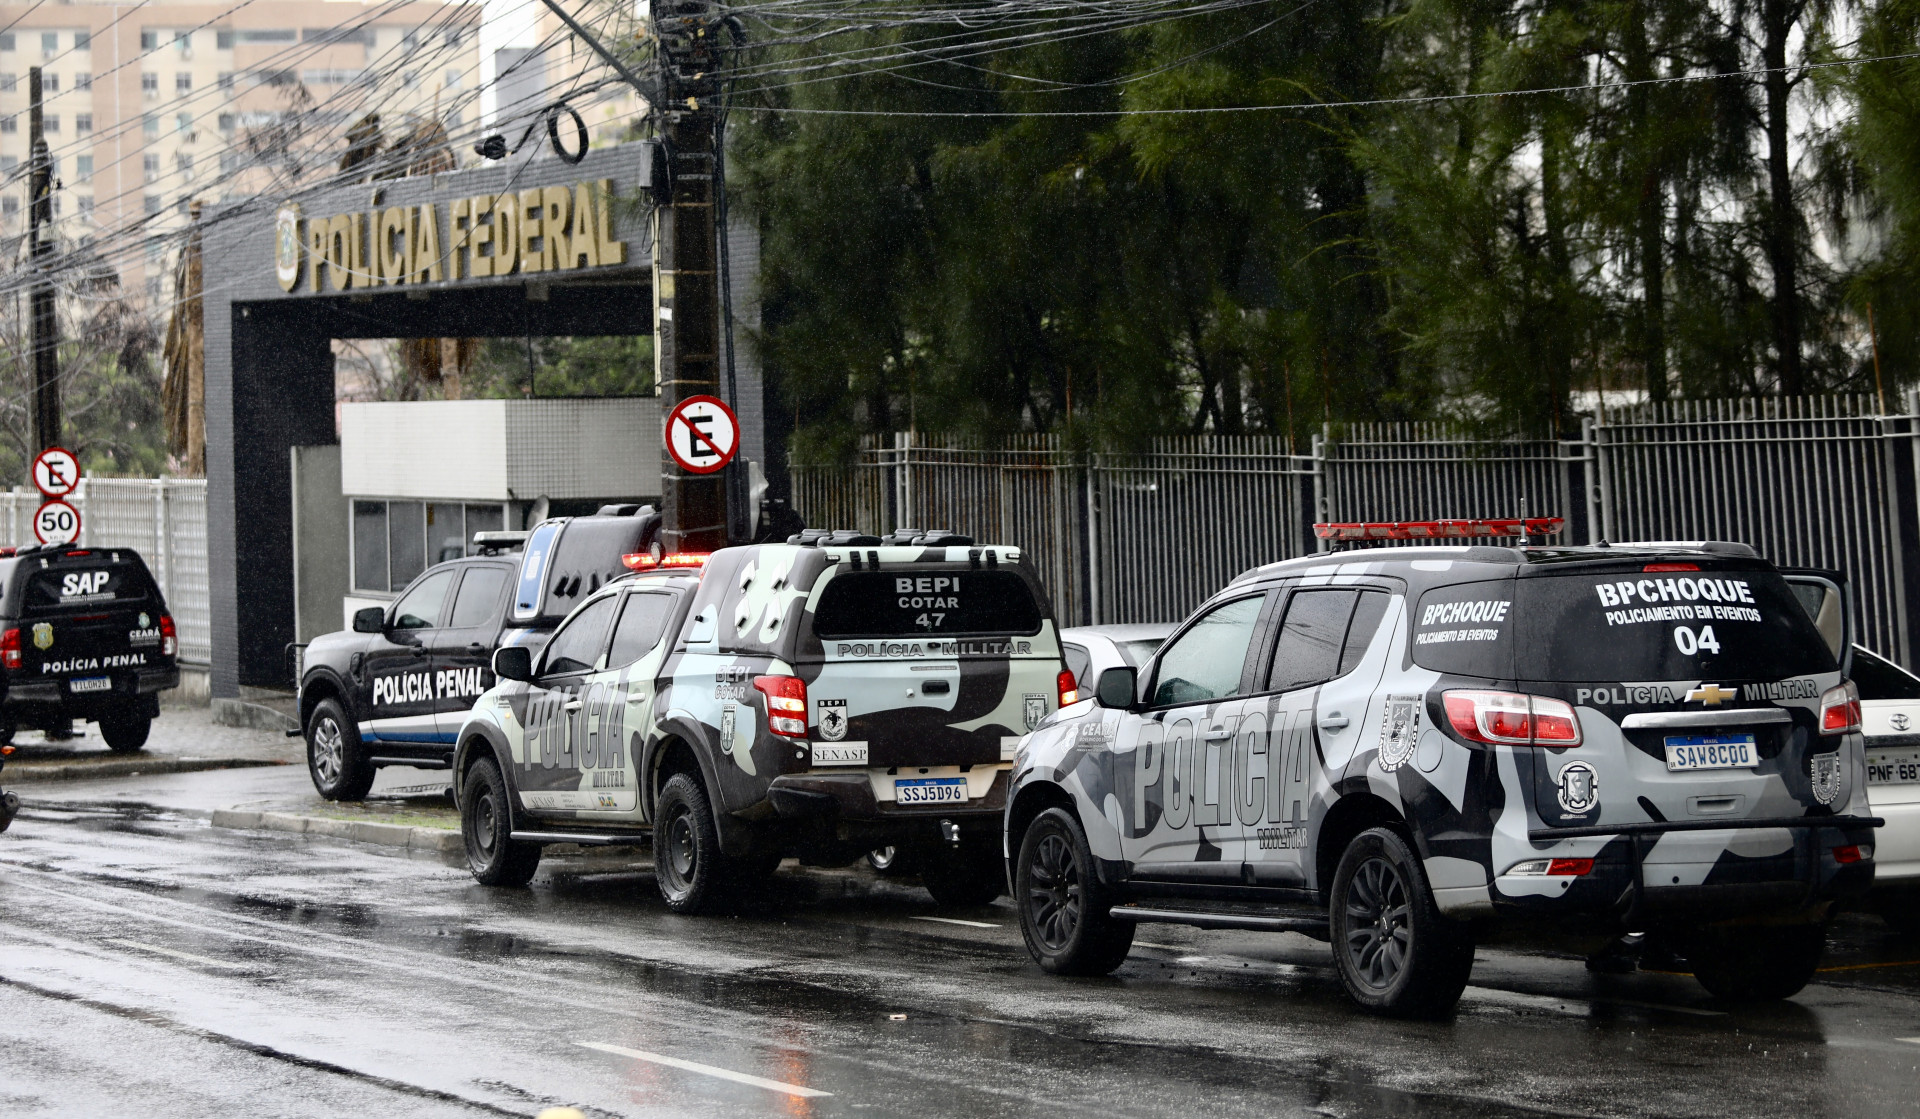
column 1825, row 770
column 832, row 717
column 43, row 635
column 1399, row 729
column 1036, row 708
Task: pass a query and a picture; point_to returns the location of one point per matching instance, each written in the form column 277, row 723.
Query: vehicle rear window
column 1669, row 625
column 81, row 586
column 897, row 604
column 1466, row 629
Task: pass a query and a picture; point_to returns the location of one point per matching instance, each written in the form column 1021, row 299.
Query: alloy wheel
column 329, row 751
column 1379, row 930
column 1053, row 891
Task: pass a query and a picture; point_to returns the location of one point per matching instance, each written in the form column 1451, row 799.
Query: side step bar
column 1316, row 927
column 584, row 839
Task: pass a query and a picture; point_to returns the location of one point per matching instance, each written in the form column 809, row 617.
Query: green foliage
column 109, row 388
column 612, row 365
column 1498, row 258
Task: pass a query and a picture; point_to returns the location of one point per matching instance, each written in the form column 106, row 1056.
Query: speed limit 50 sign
column 56, row 522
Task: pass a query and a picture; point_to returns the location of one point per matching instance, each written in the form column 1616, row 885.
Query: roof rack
column 925, row 537
column 833, row 537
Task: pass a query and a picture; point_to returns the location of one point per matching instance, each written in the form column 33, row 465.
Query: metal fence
column 1145, row 536
column 164, row 519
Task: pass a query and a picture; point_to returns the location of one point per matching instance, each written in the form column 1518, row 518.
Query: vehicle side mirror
column 513, row 662
column 1117, row 688
column 370, row 619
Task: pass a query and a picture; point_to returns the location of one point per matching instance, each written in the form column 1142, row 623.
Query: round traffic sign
column 56, row 522
column 702, row 434
column 56, row 471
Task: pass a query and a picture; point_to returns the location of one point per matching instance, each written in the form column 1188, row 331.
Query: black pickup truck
column 395, row 689
column 84, row 634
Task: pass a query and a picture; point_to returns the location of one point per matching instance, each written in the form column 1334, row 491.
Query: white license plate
column 930, row 790
column 90, row 684
column 1893, row 767
column 1711, row 751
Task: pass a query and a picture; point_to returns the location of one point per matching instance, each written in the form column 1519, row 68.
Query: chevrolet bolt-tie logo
column 1713, row 695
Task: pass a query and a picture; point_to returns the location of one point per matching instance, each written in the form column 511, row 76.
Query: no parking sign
column 702, row 434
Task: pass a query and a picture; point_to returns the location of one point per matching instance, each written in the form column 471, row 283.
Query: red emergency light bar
column 1441, row 530
column 644, row 561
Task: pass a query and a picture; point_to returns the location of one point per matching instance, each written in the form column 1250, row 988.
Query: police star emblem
column 43, row 635
column 286, row 245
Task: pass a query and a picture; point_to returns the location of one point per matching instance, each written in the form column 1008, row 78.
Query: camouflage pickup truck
column 818, row 699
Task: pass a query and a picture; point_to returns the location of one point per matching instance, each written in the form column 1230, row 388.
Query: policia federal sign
column 566, row 227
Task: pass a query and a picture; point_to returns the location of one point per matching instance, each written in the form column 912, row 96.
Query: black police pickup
column 84, row 634
column 395, row 689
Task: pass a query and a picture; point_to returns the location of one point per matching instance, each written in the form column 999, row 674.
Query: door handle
column 573, row 705
column 475, row 647
column 419, row 650
column 1333, row 720
column 1218, row 733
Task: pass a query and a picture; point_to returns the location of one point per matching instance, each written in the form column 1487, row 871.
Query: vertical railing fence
column 1145, row 535
column 164, row 519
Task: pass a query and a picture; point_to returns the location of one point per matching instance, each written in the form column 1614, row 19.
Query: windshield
column 1677, row 623
column 948, row 601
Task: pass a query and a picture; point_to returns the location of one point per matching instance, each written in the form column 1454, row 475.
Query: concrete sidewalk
column 184, row 740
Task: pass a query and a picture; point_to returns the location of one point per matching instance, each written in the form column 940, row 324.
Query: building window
column 85, row 202
column 9, row 124
column 149, row 40
column 153, row 290
column 6, row 42
column 50, row 43
column 226, row 79
column 151, row 165
column 83, row 168
column 223, row 40
column 183, row 122
column 154, row 203
column 151, row 125
column 394, row 541
column 453, row 79
column 83, row 81
column 184, row 162
column 454, row 118
column 51, row 122
column 50, row 83
column 183, row 40
column 83, row 40
column 10, row 206
column 226, row 122
column 150, row 83
column 56, row 203
column 410, row 79
column 284, row 36
column 8, row 83
column 453, row 37
column 229, row 162
column 183, row 83
column 182, row 206
column 8, row 164
column 83, row 123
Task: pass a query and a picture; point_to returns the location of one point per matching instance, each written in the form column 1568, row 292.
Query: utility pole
column 686, row 290
column 46, row 328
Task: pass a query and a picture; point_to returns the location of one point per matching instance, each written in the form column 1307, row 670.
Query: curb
column 240, row 713
column 440, row 840
column 24, row 774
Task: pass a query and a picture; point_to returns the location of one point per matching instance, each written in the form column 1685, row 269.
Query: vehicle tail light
column 646, row 561
column 1840, row 710
column 1512, row 719
column 10, row 649
column 786, row 704
column 1068, row 687
column 1563, row 868
column 1852, row 853
column 169, row 636
column 1671, row 567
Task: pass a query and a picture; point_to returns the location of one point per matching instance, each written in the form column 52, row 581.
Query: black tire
column 9, row 808
column 973, row 874
column 7, row 730
column 486, row 825
column 1757, row 963
column 126, row 734
column 1064, row 911
column 336, row 759
column 1396, row 954
column 692, row 873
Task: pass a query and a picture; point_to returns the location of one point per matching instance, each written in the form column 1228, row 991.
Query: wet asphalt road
column 152, row 965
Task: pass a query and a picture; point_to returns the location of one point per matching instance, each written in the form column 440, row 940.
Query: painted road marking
column 190, row 958
column 705, row 1070
column 1866, row 967
column 1568, row 1002
column 958, row 921
column 1909, row 1040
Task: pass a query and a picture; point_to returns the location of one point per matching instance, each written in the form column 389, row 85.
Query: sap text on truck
column 1399, row 748
column 820, row 698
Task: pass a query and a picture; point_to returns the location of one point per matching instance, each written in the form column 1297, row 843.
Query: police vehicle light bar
column 1440, row 530
column 644, row 561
